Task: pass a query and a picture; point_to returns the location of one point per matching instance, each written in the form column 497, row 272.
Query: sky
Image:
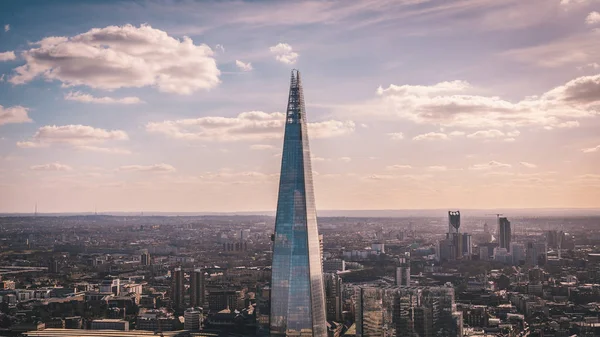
column 176, row 106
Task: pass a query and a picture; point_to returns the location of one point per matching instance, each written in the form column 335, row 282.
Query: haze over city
column 177, row 106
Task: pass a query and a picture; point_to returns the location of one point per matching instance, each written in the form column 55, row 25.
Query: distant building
column 224, row 299
column 406, row 311
column 453, row 222
column 145, row 258
column 333, row 265
column 177, row 288
column 467, row 246
column 109, row 324
column 193, row 319
column 486, row 250
column 379, row 248
column 537, row 253
column 197, row 291
column 517, row 250
column 7, row 284
column 110, row 285
column 402, row 276
column 502, row 255
column 333, row 297
column 155, row 320
column 504, row 233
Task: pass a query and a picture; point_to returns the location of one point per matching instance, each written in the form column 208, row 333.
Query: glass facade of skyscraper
column 297, row 292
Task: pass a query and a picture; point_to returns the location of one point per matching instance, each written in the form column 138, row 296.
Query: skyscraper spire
column 297, row 294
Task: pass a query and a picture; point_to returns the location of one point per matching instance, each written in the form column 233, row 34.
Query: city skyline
column 414, row 104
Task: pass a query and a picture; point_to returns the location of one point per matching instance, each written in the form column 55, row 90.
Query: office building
column 504, row 233
column 177, row 289
column 110, row 285
column 297, row 291
column 145, row 258
column 536, row 253
column 453, row 222
column 333, row 297
column 109, row 324
column 517, row 250
column 406, row 311
column 467, row 246
column 333, row 265
column 225, row 299
column 193, row 319
column 369, row 312
column 402, row 276
column 197, row 291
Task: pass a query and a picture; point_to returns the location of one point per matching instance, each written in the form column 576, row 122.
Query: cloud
column 528, row 165
column 593, row 18
column 567, row 2
column 284, row 54
column 220, row 48
column 72, row 135
column 431, row 136
column 396, row 135
column 51, row 167
column 345, row 159
column 486, row 134
column 14, row 115
column 437, row 168
column 252, row 125
column 156, row 168
column 107, row 150
column 456, row 133
column 490, row 165
column 317, row 159
column 6, row 28
column 262, row 147
column 447, row 105
column 243, row 66
column 398, row 167
column 591, row 149
column 423, row 90
column 7, row 56
column 116, row 57
column 87, row 98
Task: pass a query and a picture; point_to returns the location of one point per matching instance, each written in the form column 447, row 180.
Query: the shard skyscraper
column 297, row 294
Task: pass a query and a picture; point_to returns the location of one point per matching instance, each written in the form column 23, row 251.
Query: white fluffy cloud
column 116, row 57
column 431, row 136
column 593, row 18
column 437, row 168
column 253, row 125
column 398, row 167
column 396, row 135
column 13, row 115
column 107, row 150
column 87, row 98
column 7, row 56
column 81, row 137
column 51, row 167
column 156, row 168
column 243, row 66
column 493, row 134
column 262, row 147
column 447, row 104
column 528, row 165
column 591, row 149
column 490, row 166
column 6, row 27
column 284, row 53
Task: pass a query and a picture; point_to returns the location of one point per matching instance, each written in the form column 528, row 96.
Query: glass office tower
column 297, row 295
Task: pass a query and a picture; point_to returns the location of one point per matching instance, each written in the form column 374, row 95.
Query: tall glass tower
column 297, row 294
